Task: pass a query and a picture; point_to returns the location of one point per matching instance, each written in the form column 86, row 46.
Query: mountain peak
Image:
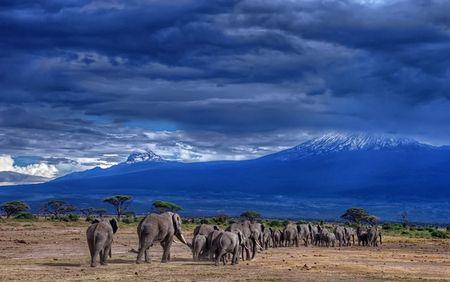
column 147, row 156
column 337, row 142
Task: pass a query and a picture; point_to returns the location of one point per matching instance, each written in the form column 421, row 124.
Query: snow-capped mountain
column 147, row 156
column 332, row 169
column 339, row 142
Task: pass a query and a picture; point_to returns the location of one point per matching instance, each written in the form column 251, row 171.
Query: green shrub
column 24, row 215
column 205, row 221
column 439, row 234
column 128, row 220
column 275, row 223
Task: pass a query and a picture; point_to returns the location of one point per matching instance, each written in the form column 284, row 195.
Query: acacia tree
column 120, row 203
column 13, row 208
column 57, row 208
column 164, row 206
column 250, row 215
column 358, row 216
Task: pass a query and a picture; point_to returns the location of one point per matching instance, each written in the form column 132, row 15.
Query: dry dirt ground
column 35, row 251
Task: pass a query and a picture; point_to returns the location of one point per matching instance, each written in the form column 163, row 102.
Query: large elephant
column 326, row 238
column 228, row 242
column 349, row 235
column 363, row 237
column 100, row 237
column 268, row 238
column 251, row 241
column 159, row 228
column 372, row 236
column 276, row 238
column 303, row 233
column 258, row 231
column 340, row 234
column 313, row 231
column 290, row 235
column 210, row 239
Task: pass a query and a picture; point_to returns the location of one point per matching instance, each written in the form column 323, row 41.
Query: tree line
column 56, row 208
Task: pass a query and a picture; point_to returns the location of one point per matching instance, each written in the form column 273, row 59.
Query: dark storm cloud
column 75, row 75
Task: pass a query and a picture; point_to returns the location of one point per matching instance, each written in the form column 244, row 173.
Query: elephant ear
column 216, row 228
column 114, row 225
column 95, row 221
column 176, row 222
column 263, row 227
column 271, row 230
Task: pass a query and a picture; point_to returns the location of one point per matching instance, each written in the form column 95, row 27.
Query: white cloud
column 40, row 169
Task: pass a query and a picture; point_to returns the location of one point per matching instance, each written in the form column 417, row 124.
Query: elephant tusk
column 257, row 244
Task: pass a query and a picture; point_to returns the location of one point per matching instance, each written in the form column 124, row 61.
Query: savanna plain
column 55, row 251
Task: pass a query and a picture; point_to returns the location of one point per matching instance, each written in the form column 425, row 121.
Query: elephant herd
column 240, row 240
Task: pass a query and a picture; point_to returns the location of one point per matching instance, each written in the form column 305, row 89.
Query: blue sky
column 84, row 83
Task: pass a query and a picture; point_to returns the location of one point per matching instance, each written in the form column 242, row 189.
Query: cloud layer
column 202, row 80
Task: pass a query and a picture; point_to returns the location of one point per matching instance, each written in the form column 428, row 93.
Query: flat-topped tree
column 250, row 215
column 358, row 216
column 58, row 208
column 120, row 203
column 164, row 206
column 13, row 208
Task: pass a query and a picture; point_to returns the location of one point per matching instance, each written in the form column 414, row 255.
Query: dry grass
column 58, row 251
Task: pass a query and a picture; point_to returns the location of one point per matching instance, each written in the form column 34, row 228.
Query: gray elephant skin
column 159, row 228
column 252, row 238
column 199, row 246
column 228, row 243
column 340, row 234
column 100, row 237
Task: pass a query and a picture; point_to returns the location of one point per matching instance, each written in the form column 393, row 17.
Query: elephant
column 204, row 229
column 100, row 237
column 349, row 235
column 303, row 233
column 340, row 234
column 313, row 231
column 372, row 236
column 326, row 238
column 199, row 246
column 258, row 231
column 290, row 235
column 228, row 242
column 210, row 239
column 276, row 238
column 251, row 236
column 159, row 228
column 268, row 238
column 363, row 237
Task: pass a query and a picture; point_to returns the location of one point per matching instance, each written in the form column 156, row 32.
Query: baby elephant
column 100, row 237
column 199, row 246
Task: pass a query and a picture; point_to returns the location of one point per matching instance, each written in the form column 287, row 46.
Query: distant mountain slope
column 8, row 177
column 336, row 167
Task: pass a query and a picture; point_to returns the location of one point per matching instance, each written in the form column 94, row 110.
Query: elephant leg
column 105, row 254
column 166, row 249
column 219, row 256
column 94, row 257
column 235, row 258
column 144, row 245
column 254, row 250
column 247, row 252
